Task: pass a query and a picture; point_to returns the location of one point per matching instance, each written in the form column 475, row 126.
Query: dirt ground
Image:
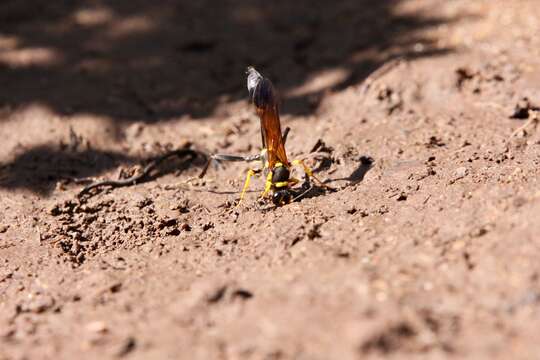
column 428, row 249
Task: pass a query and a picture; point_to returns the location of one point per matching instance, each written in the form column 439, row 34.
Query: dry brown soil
column 428, row 249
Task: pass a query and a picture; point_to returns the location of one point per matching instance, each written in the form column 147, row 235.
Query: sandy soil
column 429, row 248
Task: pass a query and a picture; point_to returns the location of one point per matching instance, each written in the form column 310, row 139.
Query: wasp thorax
column 280, row 174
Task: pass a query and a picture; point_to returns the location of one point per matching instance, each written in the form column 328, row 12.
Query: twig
column 192, row 154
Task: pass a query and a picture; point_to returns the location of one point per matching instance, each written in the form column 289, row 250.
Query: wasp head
column 282, row 197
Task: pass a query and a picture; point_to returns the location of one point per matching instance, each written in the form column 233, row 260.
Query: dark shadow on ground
column 366, row 163
column 357, row 176
column 150, row 61
column 41, row 168
column 138, row 60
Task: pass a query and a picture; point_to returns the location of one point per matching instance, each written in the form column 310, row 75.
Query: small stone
column 207, row 226
column 97, row 327
column 55, row 210
column 479, row 232
column 174, row 232
column 461, row 172
column 402, row 197
column 522, row 108
column 242, row 294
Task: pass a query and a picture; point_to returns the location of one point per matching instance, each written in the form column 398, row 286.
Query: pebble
column 461, row 172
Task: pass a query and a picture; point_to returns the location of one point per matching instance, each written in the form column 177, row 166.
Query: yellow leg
column 267, row 186
column 308, row 172
column 250, row 173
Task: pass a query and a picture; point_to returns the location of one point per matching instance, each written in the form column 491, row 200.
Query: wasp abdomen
column 260, row 89
column 264, row 94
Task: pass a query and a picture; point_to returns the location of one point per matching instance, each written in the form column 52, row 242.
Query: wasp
column 275, row 165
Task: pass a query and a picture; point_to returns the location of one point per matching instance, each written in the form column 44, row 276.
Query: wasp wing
column 265, row 99
column 272, row 137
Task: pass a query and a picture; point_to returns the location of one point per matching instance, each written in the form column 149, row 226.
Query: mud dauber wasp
column 276, row 167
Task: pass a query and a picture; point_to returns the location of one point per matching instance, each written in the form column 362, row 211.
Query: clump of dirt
column 84, row 228
column 523, row 108
column 425, row 332
column 486, row 78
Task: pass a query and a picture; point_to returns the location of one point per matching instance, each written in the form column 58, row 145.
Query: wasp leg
column 250, row 174
column 301, row 194
column 249, row 158
column 225, row 157
column 285, row 134
column 309, row 173
column 267, row 186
